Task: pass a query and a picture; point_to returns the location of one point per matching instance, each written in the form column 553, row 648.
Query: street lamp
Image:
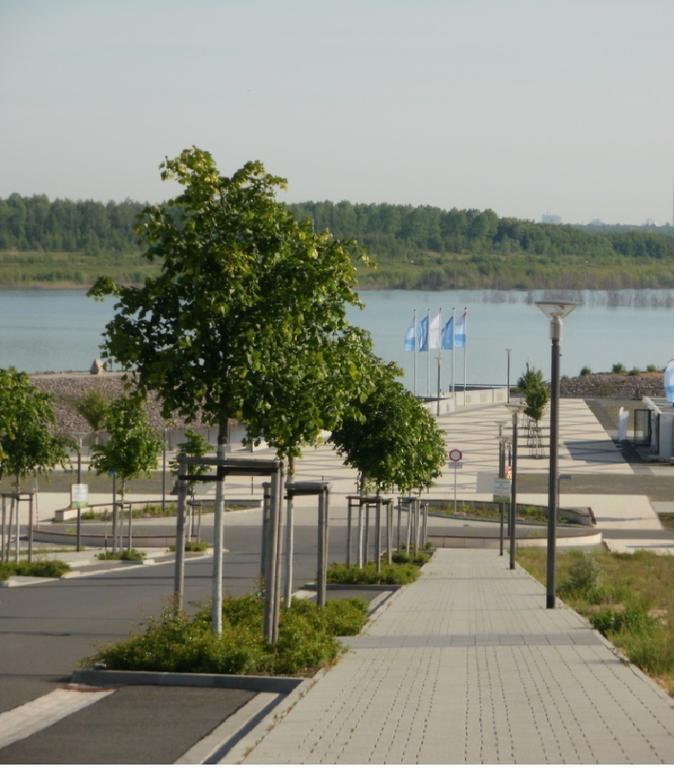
column 556, row 311
column 515, row 408
column 501, row 473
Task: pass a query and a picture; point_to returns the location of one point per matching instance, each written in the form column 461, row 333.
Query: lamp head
column 556, row 309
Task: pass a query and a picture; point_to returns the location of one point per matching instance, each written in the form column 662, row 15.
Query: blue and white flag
column 434, row 332
column 669, row 381
column 460, row 332
column 411, row 338
column 448, row 334
column 423, row 334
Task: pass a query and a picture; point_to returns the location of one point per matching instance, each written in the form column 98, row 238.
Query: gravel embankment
column 68, row 388
column 613, row 385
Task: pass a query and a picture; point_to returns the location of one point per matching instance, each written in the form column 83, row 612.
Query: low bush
column 652, row 368
column 177, row 643
column 582, row 576
column 617, row 368
column 418, row 558
column 53, row 569
column 192, row 546
column 124, row 554
column 398, row 573
column 585, row 370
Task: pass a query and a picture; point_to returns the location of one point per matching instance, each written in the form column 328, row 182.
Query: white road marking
column 36, row 715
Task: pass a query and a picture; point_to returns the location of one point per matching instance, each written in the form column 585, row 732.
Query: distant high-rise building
column 551, row 218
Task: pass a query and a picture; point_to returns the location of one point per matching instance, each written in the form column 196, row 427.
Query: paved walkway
column 467, row 666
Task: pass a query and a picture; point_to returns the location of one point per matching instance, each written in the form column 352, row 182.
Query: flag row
column 429, row 333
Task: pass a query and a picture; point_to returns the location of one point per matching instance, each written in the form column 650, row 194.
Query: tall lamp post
column 501, row 473
column 556, row 311
column 515, row 409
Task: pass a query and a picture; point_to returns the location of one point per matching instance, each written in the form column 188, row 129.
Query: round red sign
column 455, row 455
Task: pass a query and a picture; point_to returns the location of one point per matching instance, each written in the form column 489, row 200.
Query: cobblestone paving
column 467, row 666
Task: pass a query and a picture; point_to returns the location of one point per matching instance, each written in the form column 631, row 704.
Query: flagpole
column 465, row 352
column 439, row 357
column 453, row 358
column 428, row 349
column 414, row 350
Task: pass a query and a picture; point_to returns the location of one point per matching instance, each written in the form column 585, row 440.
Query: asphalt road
column 45, row 630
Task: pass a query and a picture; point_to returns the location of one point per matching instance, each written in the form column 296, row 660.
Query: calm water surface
column 61, row 330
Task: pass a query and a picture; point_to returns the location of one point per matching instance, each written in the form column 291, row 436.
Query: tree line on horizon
column 415, row 246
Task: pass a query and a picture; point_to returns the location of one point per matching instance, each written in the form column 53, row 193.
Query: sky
column 521, row 106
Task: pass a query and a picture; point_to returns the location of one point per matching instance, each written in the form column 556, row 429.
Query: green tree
column 311, row 388
column 241, row 283
column 391, row 439
column 195, row 446
column 93, row 407
column 536, row 392
column 28, row 444
column 132, row 446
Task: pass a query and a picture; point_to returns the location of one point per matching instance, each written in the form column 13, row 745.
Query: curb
column 107, row 678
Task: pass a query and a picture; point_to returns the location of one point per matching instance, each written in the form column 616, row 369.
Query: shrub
column 399, row 573
column 652, row 368
column 618, row 368
column 192, row 546
column 633, row 620
column 582, row 576
column 177, row 643
column 418, row 558
column 125, row 554
column 634, row 371
column 40, row 568
column 585, row 370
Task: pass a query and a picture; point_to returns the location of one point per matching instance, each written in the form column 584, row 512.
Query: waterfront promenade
column 467, row 666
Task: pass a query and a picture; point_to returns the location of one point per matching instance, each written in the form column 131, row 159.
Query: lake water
column 61, row 330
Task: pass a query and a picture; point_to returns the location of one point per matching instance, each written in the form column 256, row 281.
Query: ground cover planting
column 124, row 554
column 39, row 568
column 629, row 598
column 180, row 643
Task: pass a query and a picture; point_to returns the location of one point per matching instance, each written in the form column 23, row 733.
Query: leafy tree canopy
column 242, row 284
column 132, row 446
column 391, row 438
column 536, row 392
column 27, row 425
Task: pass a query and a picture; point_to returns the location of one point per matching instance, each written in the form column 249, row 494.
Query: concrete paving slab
column 535, row 686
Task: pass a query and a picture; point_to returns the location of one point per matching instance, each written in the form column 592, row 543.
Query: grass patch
column 178, row 643
column 124, row 554
column 39, row 568
column 420, row 557
column 629, row 598
column 398, row 573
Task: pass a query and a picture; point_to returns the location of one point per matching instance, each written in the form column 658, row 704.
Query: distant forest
column 45, row 242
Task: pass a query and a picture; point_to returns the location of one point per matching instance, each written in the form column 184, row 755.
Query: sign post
column 79, row 497
column 455, row 456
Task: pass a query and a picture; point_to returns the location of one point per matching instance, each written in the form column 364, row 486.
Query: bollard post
column 400, row 511
column 408, row 532
column 424, row 526
column 279, row 550
column 272, row 556
column 322, row 548
column 289, row 553
column 17, row 531
column 377, row 536
column 114, row 512
column 360, row 534
column 30, row 528
column 366, row 544
column 266, row 502
column 2, row 531
column 179, row 567
column 389, row 532
column 216, row 586
column 349, row 511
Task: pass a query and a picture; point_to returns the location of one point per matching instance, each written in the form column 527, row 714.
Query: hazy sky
column 523, row 106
